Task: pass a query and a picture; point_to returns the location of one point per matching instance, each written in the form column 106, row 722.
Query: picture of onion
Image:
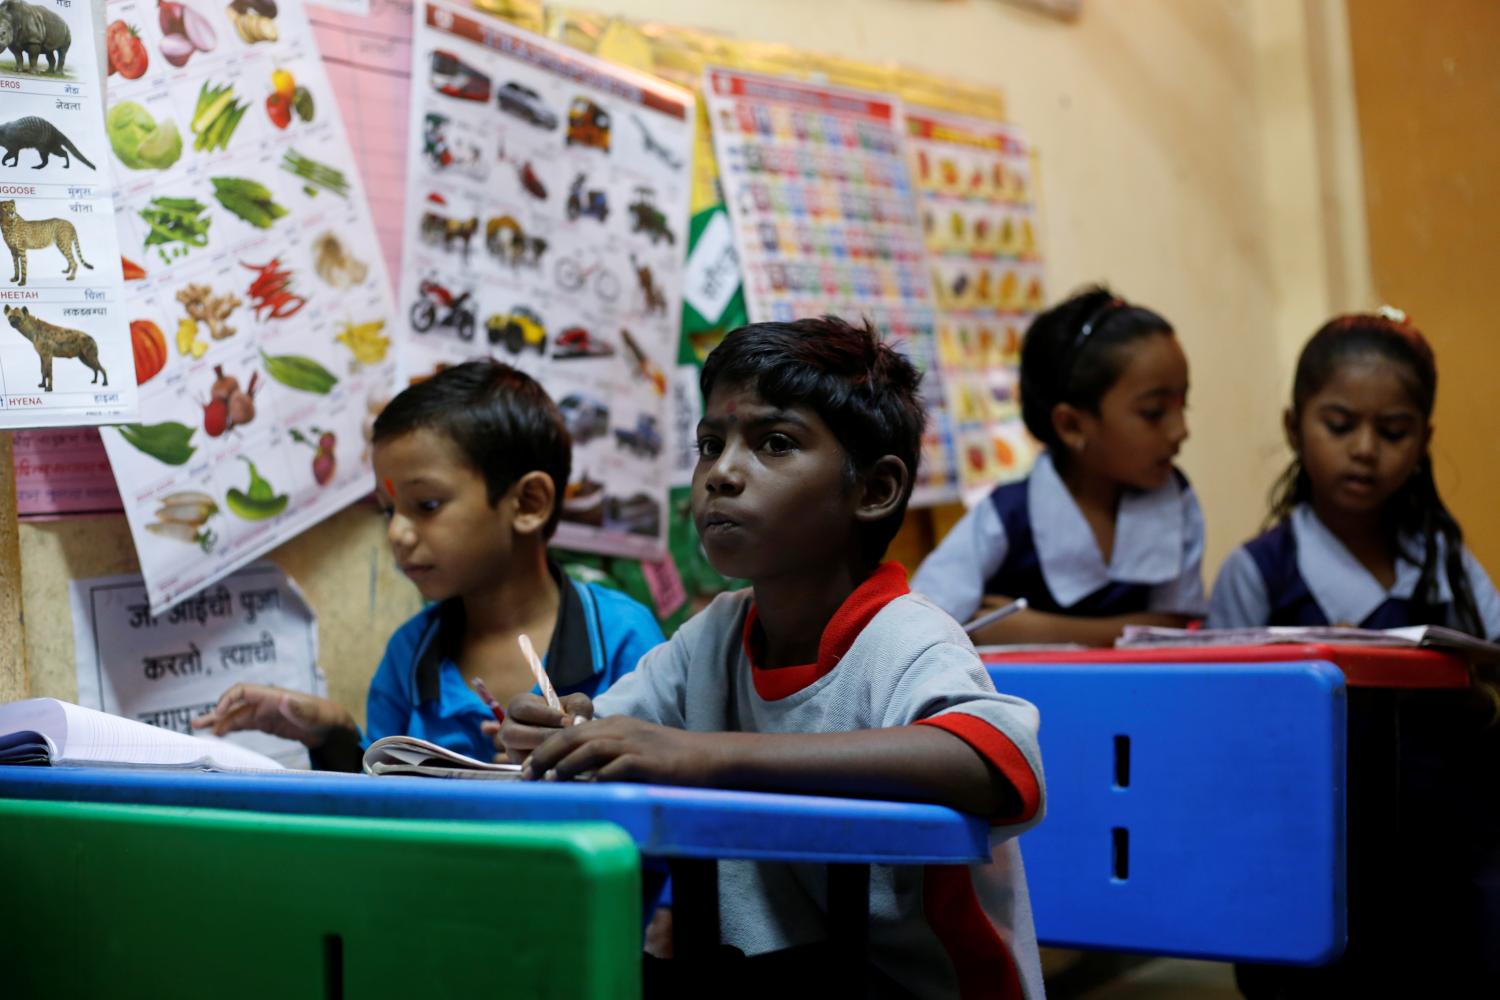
column 198, row 31
column 176, row 49
column 169, row 14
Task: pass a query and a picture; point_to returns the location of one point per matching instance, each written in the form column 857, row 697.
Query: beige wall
column 1189, row 153
column 1428, row 84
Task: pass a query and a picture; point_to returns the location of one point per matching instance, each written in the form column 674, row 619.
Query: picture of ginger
column 335, row 264
column 209, row 309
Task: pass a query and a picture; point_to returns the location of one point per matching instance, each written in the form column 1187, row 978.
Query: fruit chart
column 546, row 219
column 65, row 355
column 973, row 180
column 257, row 302
column 825, row 220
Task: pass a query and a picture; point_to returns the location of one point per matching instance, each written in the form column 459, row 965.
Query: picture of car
column 586, row 418
column 588, row 124
column 526, row 104
column 521, row 329
column 576, row 342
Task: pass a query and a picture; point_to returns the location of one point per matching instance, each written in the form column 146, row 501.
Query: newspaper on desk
column 1414, row 636
column 254, row 626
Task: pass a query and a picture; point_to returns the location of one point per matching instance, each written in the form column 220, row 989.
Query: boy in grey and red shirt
column 827, row 676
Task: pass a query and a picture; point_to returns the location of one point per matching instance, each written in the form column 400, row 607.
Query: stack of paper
column 409, row 755
column 47, row 731
column 1424, row 636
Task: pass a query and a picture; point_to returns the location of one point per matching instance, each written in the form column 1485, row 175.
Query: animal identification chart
column 979, row 218
column 65, row 356
column 825, row 220
column 253, row 626
column 258, row 303
column 546, row 216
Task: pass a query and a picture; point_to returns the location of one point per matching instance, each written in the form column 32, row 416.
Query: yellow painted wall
column 1186, row 157
column 1427, row 78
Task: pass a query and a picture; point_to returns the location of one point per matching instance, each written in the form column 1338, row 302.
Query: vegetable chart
column 256, row 300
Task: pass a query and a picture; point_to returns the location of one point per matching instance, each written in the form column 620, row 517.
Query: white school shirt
column 1344, row 589
column 1158, row 542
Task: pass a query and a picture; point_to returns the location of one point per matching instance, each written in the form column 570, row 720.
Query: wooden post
column 15, row 679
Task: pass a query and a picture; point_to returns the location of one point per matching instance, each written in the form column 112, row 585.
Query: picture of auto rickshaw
column 588, row 124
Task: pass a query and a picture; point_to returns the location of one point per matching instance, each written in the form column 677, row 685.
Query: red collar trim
column 883, row 586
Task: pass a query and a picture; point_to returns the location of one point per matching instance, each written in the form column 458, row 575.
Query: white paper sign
column 253, row 626
column 65, row 350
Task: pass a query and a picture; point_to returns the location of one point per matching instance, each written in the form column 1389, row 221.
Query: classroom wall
column 1428, row 95
column 1190, row 151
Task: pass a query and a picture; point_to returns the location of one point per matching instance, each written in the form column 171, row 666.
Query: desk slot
column 1122, row 761
column 333, row 967
column 1121, row 853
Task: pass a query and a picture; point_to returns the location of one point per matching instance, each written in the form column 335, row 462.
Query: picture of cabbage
column 141, row 142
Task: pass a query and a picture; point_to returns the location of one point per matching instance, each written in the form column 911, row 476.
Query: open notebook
column 1423, row 636
column 47, row 731
column 409, row 755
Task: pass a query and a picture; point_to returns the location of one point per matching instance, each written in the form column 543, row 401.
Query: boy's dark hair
column 1073, row 353
column 500, row 418
column 1415, row 510
column 860, row 386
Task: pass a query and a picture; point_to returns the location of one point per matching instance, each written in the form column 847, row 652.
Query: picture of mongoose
column 53, row 341
column 34, row 32
column 38, row 134
column 21, row 235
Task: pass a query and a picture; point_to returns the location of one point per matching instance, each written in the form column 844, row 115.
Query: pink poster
column 368, row 60
column 62, row 472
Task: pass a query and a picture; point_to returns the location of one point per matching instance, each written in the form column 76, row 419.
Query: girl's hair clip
column 1391, row 313
column 1115, row 302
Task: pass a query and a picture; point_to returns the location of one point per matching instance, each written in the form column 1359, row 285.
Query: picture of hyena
column 53, row 341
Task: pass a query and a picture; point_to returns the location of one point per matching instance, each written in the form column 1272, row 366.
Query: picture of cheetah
column 53, row 341
column 21, row 235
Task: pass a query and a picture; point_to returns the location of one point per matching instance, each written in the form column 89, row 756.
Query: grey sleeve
column 1184, row 595
column 948, row 679
column 1239, row 599
column 953, row 575
column 654, row 691
column 1486, row 601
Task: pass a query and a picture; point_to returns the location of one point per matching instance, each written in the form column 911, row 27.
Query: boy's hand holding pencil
column 529, row 720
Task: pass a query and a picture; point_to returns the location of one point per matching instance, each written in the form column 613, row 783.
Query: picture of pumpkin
column 150, row 348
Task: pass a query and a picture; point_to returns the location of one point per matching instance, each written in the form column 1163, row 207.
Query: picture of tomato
column 127, row 53
column 279, row 109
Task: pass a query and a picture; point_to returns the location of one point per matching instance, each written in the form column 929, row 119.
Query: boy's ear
column 881, row 488
column 535, row 497
column 1070, row 425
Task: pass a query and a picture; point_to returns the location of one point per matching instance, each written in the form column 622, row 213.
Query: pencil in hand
column 542, row 680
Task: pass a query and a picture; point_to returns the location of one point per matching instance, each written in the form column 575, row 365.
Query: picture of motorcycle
column 440, row 307
column 591, row 202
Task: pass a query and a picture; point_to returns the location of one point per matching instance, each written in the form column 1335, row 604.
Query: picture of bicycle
column 572, row 275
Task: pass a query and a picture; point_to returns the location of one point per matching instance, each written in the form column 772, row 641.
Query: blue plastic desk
column 1193, row 809
column 689, row 828
column 664, row 821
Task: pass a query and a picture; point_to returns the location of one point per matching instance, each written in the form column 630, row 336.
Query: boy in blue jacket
column 469, row 470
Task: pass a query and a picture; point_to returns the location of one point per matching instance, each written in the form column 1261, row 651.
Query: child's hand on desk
column 529, row 721
column 292, row 715
column 621, row 748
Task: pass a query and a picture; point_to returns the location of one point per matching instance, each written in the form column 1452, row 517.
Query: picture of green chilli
column 259, row 501
column 297, row 372
column 166, row 442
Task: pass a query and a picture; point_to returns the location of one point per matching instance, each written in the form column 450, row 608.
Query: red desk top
column 1363, row 666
